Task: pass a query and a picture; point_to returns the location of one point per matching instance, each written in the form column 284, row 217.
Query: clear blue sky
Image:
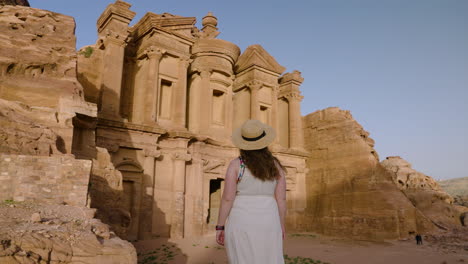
column 399, row 66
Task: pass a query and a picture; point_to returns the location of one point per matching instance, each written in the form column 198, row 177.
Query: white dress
column 253, row 230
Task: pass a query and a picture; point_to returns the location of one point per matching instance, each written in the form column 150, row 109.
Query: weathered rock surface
column 61, row 234
column 349, row 192
column 38, row 67
column 25, row 130
column 405, row 177
column 14, row 2
column 424, row 192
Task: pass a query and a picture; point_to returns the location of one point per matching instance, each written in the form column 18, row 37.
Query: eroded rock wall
column 38, row 69
column 349, row 193
column 424, row 193
column 44, row 119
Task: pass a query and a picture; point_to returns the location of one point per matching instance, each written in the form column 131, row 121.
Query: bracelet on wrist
column 218, row 227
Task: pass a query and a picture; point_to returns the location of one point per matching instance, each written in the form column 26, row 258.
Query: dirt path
column 306, row 247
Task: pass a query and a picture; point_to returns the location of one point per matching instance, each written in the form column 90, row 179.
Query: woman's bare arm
column 229, row 193
column 280, row 195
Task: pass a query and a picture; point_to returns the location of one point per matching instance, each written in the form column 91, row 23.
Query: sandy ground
column 327, row 250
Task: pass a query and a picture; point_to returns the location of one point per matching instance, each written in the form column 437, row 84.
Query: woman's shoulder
column 235, row 162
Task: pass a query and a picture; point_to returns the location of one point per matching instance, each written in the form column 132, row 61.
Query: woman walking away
column 254, row 200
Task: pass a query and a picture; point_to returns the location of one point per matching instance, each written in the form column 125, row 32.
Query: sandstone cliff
column 44, row 120
column 349, row 192
column 38, row 69
column 423, row 192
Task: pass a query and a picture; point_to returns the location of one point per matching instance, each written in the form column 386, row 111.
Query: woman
column 254, row 199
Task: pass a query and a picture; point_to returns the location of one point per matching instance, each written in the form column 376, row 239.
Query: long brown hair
column 262, row 163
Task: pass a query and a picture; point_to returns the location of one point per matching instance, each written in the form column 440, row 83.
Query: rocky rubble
column 33, row 233
column 449, row 242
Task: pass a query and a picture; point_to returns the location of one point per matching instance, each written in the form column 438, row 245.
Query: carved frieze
column 214, row 166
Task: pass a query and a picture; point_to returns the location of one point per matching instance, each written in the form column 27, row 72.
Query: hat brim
column 264, row 142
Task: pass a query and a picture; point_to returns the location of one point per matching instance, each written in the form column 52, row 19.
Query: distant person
column 254, row 200
column 419, row 239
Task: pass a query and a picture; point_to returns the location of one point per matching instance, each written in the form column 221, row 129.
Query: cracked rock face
column 405, row 177
column 24, row 130
column 424, row 192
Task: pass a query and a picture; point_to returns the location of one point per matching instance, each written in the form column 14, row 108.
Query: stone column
column 289, row 89
column 254, row 87
column 149, row 169
column 193, row 219
column 113, row 31
column 194, row 104
column 205, row 101
column 274, row 113
column 111, row 78
column 152, row 86
column 177, row 218
column 296, row 138
column 181, row 94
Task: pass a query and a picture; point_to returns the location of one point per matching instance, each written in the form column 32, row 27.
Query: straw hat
column 253, row 134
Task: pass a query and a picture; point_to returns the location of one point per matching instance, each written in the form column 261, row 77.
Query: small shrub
column 301, row 260
column 87, row 52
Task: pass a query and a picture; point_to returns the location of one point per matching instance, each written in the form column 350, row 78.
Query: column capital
column 254, row 85
column 112, row 37
column 181, row 156
column 185, row 62
column 153, row 52
column 293, row 96
column 205, row 73
column 152, row 153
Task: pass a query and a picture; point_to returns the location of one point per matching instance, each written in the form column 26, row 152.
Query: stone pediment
column 166, row 21
column 256, row 55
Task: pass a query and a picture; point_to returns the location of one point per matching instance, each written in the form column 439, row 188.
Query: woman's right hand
column 220, row 237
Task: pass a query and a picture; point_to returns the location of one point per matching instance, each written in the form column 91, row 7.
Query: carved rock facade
column 169, row 96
